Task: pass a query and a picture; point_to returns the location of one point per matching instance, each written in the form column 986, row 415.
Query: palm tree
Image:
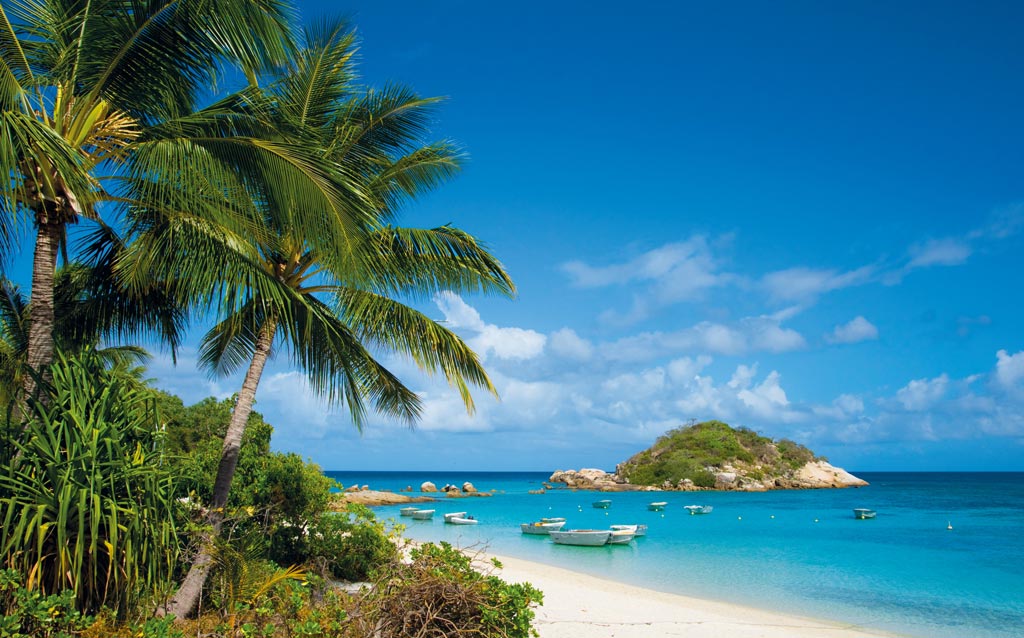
column 328, row 303
column 95, row 98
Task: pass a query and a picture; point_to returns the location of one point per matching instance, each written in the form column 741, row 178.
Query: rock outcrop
column 427, row 486
column 468, row 487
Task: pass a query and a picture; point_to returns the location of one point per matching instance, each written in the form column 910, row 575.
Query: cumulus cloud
column 569, row 345
column 922, row 394
column 503, row 343
column 853, row 331
column 1009, row 368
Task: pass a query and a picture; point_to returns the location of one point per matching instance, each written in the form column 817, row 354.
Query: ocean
column 800, row 552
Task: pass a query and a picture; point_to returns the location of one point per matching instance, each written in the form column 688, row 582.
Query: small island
column 714, row 456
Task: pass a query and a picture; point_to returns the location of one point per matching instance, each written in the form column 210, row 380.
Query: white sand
column 581, row 606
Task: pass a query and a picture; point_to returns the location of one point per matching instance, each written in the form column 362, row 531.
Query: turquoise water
column 798, row 552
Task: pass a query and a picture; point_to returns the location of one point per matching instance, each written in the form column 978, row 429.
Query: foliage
column 688, row 453
column 32, row 614
column 84, row 502
column 439, row 593
column 349, row 545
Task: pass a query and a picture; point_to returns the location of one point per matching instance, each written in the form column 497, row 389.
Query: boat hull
column 603, row 505
column 621, row 537
column 657, row 507
column 862, row 514
column 423, row 515
column 458, row 520
column 407, row 511
column 698, row 509
column 582, row 538
column 639, row 530
column 542, row 528
column 450, row 515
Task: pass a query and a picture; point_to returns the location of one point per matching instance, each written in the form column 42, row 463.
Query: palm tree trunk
column 40, row 329
column 184, row 602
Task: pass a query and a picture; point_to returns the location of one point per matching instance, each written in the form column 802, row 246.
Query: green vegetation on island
column 696, row 453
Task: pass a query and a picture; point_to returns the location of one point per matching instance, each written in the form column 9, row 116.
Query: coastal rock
column 373, row 497
column 823, row 474
column 352, row 488
column 468, row 487
column 725, row 480
column 427, row 486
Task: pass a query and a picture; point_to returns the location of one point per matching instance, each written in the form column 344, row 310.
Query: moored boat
column 407, row 511
column 658, row 506
column 552, row 519
column 621, row 537
column 541, row 528
column 698, row 509
column 862, row 513
column 582, row 537
column 462, row 520
column 603, row 504
column 423, row 515
column 450, row 515
column 639, row 530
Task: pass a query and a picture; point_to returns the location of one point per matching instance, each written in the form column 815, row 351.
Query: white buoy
column 773, row 515
column 815, row 520
column 949, row 525
column 739, row 518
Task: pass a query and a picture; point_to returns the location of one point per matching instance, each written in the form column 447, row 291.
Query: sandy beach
column 581, row 606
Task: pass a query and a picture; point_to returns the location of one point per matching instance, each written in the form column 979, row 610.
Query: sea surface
column 799, row 552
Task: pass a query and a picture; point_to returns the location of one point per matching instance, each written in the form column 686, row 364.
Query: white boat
column 603, row 504
column 552, row 519
column 584, row 537
column 862, row 513
column 621, row 537
column 407, row 511
column 658, row 506
column 450, row 515
column 423, row 515
column 698, row 509
column 639, row 530
column 461, row 520
column 541, row 527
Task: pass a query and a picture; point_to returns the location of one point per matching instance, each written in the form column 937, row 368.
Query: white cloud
column 566, row 343
column 767, row 398
column 1009, row 368
column 806, row 284
column 950, row 251
column 750, row 334
column 504, row 343
column 922, row 394
column 857, row 329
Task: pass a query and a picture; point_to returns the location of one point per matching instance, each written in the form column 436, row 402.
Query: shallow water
column 792, row 551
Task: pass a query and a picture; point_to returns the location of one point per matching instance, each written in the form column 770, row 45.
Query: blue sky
column 806, row 218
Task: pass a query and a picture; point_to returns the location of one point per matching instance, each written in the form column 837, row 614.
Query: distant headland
column 714, row 456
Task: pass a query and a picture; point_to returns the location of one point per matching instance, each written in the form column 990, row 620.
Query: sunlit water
column 799, row 552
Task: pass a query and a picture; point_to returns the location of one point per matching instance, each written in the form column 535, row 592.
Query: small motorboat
column 698, row 509
column 461, row 520
column 423, row 515
column 582, row 537
column 541, row 528
column 449, row 516
column 603, row 504
column 621, row 537
column 658, row 506
column 407, row 511
column 552, row 519
column 862, row 513
column 638, row 530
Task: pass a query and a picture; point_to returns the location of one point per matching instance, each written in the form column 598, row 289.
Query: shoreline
column 578, row 605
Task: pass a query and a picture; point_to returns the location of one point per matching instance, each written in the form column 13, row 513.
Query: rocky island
column 714, row 456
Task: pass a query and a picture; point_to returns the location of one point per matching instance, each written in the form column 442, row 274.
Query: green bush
column 349, row 545
column 86, row 502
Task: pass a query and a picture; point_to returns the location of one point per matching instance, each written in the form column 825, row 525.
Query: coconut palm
column 330, row 304
column 97, row 101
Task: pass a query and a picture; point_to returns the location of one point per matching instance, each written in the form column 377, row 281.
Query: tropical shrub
column 350, row 545
column 85, row 503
